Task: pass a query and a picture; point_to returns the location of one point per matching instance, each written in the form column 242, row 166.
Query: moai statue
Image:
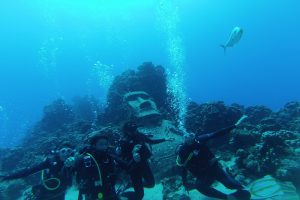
column 144, row 110
column 143, row 107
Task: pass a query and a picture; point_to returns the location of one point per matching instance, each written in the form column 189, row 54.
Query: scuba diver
column 134, row 149
column 95, row 168
column 56, row 174
column 194, row 156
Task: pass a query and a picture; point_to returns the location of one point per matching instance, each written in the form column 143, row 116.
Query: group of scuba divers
column 96, row 168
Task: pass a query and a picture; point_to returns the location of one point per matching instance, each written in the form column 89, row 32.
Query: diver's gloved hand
column 135, row 153
column 70, row 162
column 137, row 157
column 241, row 120
column 137, row 148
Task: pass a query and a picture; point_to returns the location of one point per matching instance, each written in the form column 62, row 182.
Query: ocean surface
column 53, row 49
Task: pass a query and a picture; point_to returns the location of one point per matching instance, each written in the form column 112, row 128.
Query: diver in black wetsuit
column 95, row 169
column 194, row 156
column 56, row 174
column 134, row 149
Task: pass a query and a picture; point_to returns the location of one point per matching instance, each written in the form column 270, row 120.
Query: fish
column 235, row 36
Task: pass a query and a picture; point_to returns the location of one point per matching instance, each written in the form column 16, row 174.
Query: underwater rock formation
column 209, row 117
column 270, row 152
column 257, row 113
column 56, row 115
column 148, row 78
column 86, row 108
column 12, row 190
column 173, row 189
column 276, row 150
column 289, row 116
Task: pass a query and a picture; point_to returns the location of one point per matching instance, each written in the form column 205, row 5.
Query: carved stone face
column 141, row 104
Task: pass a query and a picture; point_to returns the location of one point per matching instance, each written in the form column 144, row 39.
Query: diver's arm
column 155, row 141
column 221, row 132
column 27, row 171
column 224, row 131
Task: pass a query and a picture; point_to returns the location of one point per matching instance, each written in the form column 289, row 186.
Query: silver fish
column 234, row 38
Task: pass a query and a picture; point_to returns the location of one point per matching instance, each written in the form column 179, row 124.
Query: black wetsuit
column 51, row 167
column 140, row 172
column 201, row 162
column 88, row 175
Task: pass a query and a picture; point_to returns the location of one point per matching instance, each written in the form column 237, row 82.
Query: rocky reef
column 147, row 78
column 267, row 143
column 272, row 145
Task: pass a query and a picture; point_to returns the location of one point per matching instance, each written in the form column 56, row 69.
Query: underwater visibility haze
column 50, row 49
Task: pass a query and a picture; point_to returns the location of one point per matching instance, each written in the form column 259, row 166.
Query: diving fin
column 272, row 189
column 240, row 194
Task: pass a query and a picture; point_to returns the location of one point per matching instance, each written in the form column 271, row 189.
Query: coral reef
column 270, row 153
column 257, row 113
column 12, row 190
column 289, row 116
column 209, row 117
column 271, row 146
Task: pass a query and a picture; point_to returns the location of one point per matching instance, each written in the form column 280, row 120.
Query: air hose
column 179, row 163
column 98, row 168
column 44, row 181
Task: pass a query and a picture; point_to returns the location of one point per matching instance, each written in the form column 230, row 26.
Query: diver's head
column 65, row 150
column 130, row 128
column 193, row 140
column 100, row 143
column 190, row 139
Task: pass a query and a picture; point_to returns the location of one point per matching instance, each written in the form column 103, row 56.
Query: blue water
column 48, row 50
